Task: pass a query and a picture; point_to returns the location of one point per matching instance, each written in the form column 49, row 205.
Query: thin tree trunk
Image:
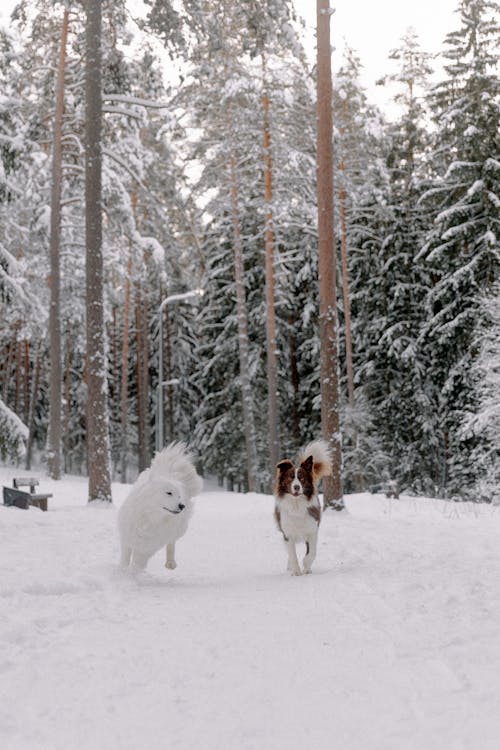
column 54, row 433
column 141, row 394
column 125, row 355
column 138, row 374
column 272, row 357
column 243, row 344
column 115, row 391
column 168, row 363
column 19, row 392
column 33, row 401
column 97, row 406
column 67, row 405
column 8, row 366
column 295, row 382
column 26, row 372
column 327, row 282
column 145, row 378
column 124, row 382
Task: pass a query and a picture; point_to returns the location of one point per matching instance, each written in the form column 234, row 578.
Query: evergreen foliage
column 462, row 250
column 483, row 426
column 420, row 208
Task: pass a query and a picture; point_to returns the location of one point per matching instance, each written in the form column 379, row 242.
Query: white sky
column 374, row 27
column 371, row 27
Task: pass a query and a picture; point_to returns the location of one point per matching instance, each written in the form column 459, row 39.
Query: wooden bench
column 20, row 499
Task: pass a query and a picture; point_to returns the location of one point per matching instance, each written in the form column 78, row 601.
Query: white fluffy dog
column 158, row 508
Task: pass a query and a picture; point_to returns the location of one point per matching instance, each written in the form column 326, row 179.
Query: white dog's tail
column 322, row 458
column 176, row 462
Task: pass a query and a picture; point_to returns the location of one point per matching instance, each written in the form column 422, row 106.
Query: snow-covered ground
column 393, row 643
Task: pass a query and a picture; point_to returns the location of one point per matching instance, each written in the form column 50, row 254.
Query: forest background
column 195, row 174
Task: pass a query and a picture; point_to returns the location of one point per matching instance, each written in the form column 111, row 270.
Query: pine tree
column 385, row 232
column 330, row 403
column 24, row 214
column 54, row 437
column 133, row 152
column 225, row 86
column 358, row 153
column 97, row 408
column 481, row 429
column 402, row 363
column 461, row 250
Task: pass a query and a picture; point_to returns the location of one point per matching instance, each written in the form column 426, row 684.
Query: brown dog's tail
column 321, row 456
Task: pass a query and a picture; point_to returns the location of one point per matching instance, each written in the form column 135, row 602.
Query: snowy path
column 391, row 644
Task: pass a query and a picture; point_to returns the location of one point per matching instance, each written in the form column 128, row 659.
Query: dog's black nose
column 181, row 506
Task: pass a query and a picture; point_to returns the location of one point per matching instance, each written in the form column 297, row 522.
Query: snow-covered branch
column 148, row 103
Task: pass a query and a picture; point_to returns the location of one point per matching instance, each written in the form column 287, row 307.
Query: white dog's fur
column 157, row 510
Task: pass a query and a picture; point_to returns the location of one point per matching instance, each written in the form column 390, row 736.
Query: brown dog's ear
column 284, row 465
column 308, row 464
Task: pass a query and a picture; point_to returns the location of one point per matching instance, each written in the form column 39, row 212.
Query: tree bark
column 97, row 411
column 327, row 281
column 8, row 365
column 55, row 416
column 26, row 370
column 124, row 381
column 18, row 405
column 145, row 377
column 142, row 396
column 243, row 344
column 272, row 357
column 170, row 387
column 33, row 400
column 67, row 405
column 295, row 383
column 115, row 388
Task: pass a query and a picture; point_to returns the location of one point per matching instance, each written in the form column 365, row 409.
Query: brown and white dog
column 297, row 509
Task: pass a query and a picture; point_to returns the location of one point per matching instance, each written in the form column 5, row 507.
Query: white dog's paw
column 171, row 564
column 296, row 571
column 307, row 571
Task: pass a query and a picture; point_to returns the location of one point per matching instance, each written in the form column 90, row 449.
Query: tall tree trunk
column 97, row 411
column 272, row 357
column 142, row 410
column 295, row 383
column 124, row 381
column 18, row 405
column 125, row 355
column 243, row 344
column 8, row 366
column 115, row 390
column 67, row 405
column 170, row 387
column 33, row 400
column 145, row 377
column 54, row 433
column 327, row 282
column 26, row 372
